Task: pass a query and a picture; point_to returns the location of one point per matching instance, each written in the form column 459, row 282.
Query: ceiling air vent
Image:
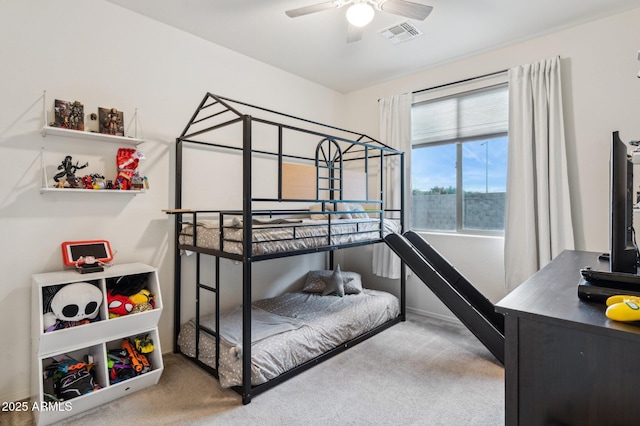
column 400, row 32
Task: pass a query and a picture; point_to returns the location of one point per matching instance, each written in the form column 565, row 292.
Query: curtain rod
column 460, row 81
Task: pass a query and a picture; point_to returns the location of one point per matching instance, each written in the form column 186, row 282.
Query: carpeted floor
column 420, row 372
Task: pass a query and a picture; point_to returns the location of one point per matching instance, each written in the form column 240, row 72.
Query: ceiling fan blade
column 294, row 13
column 354, row 33
column 407, row 9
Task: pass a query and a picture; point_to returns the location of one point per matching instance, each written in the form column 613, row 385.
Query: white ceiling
column 314, row 46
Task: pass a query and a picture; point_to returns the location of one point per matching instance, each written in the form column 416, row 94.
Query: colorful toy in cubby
column 139, row 361
column 144, row 344
column 129, row 294
column 119, row 366
column 118, row 304
column 70, row 305
column 70, row 378
column 128, row 361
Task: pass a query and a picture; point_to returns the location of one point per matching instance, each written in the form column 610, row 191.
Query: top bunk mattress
column 271, row 236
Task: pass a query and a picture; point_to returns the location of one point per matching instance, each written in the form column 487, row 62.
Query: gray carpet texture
column 419, row 372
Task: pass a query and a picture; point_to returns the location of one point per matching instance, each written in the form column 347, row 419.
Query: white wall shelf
column 101, row 191
column 61, row 132
column 69, row 133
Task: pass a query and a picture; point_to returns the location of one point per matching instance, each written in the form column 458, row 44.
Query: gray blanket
column 324, row 322
column 263, row 324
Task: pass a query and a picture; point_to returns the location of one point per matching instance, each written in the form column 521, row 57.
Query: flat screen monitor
column 623, row 252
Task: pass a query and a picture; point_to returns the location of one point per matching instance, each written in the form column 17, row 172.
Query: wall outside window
column 482, row 211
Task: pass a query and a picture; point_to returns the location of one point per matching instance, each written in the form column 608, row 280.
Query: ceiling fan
column 361, row 12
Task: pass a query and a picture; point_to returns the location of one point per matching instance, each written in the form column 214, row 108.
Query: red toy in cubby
column 128, row 295
column 118, row 304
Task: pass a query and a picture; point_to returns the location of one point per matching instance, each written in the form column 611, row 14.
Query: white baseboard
column 428, row 314
column 16, row 396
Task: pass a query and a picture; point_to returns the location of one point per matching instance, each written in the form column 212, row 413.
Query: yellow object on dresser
column 623, row 308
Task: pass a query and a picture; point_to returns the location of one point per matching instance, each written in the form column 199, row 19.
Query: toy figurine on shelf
column 137, row 182
column 127, row 161
column 87, row 182
column 122, row 182
column 98, row 181
column 69, row 171
column 111, row 121
column 68, row 115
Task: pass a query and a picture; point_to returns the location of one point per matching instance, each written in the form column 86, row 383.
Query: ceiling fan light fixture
column 360, row 14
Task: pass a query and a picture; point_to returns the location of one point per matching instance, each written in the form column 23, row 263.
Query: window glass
column 459, row 162
column 433, row 203
column 484, row 179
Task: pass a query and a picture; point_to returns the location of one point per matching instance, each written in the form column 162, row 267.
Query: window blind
column 462, row 116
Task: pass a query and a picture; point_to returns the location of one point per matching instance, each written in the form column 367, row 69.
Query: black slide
column 468, row 304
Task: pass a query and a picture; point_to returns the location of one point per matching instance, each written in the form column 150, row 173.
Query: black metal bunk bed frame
column 367, row 145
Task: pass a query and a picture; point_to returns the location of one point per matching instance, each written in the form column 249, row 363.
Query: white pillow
column 358, row 207
column 318, row 208
column 343, row 207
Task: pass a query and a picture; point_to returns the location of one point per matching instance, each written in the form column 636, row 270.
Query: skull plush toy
column 77, row 301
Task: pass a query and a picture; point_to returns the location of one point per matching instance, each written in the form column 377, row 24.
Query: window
column 459, row 162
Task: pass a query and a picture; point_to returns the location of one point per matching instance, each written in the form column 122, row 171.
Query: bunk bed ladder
column 213, row 289
column 328, row 153
column 329, row 158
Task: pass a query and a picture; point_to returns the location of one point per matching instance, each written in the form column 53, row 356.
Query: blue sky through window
column 484, row 166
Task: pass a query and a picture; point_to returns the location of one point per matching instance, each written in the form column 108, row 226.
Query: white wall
column 601, row 94
column 105, row 56
column 102, row 55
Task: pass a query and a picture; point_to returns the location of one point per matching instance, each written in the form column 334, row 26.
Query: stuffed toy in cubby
column 70, row 305
column 128, row 294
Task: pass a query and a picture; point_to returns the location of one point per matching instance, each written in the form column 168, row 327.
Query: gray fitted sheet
column 316, row 324
column 282, row 237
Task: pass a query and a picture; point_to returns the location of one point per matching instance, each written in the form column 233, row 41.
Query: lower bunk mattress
column 287, row 331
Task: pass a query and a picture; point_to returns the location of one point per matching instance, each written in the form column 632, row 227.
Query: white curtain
column 395, row 132
column 538, row 212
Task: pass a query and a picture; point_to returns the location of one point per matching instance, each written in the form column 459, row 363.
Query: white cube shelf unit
column 95, row 338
